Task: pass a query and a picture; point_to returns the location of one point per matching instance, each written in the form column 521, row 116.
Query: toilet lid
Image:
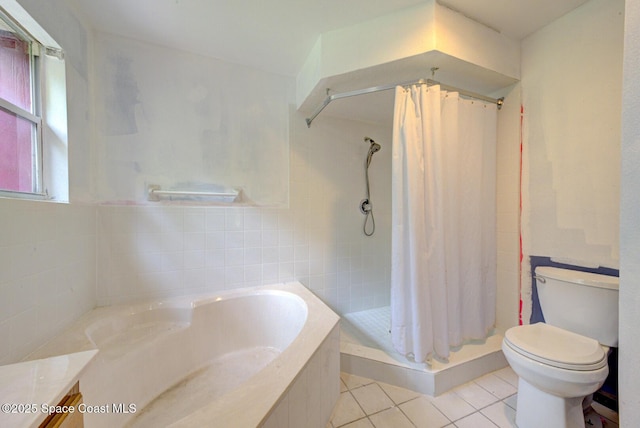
column 556, row 347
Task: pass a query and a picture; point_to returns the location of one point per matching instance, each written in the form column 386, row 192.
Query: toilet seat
column 556, row 347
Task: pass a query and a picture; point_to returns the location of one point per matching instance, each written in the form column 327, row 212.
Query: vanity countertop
column 29, row 388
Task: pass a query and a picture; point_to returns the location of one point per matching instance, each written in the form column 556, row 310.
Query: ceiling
column 277, row 35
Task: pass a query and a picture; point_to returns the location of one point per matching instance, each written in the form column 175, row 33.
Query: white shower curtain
column 443, row 270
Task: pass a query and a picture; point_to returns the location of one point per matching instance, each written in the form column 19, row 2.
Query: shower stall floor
column 366, row 350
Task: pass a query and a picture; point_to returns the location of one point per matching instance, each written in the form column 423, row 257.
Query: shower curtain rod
column 428, row 82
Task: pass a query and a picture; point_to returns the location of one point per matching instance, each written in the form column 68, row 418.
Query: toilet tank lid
column 578, row 277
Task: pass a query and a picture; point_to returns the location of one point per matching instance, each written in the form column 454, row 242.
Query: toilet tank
column 581, row 302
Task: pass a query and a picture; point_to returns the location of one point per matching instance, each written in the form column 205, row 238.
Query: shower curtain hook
column 433, row 72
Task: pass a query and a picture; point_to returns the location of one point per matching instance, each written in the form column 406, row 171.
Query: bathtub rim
column 319, row 324
column 76, row 336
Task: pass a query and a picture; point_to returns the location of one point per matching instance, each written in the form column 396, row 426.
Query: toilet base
column 537, row 408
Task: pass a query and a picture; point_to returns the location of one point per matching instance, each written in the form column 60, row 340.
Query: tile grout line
column 397, row 405
column 479, row 410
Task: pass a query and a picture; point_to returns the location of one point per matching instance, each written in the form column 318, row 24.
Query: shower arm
column 429, row 82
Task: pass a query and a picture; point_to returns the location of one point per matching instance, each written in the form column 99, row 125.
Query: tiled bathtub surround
column 47, row 271
column 149, row 252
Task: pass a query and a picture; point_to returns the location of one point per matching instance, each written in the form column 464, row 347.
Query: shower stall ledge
column 362, row 356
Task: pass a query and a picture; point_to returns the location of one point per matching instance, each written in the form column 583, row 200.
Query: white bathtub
column 266, row 356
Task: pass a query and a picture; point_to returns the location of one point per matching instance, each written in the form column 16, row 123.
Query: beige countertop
column 29, row 388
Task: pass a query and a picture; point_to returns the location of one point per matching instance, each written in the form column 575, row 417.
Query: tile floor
column 486, row 402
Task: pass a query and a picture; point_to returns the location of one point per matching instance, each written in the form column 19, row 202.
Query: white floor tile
column 488, row 402
column 397, row 394
column 391, row 418
column 497, row 386
column 452, row 406
column 508, row 374
column 360, row 423
column 346, row 410
column 353, row 381
column 512, row 401
column 475, row 395
column 372, row 398
column 476, row 420
column 424, row 414
column 501, row 415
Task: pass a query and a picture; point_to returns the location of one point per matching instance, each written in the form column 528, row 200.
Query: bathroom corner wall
column 571, row 89
column 153, row 251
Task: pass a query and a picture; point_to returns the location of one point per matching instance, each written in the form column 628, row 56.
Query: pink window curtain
column 16, row 134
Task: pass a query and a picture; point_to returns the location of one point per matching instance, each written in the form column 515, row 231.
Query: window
column 20, row 124
column 30, row 69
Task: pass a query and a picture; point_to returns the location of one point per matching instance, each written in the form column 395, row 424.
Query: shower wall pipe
column 428, row 82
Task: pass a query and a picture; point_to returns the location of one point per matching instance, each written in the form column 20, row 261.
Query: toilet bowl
column 557, row 369
column 564, row 360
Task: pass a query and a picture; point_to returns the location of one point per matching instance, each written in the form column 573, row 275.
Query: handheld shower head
column 373, row 147
column 365, row 206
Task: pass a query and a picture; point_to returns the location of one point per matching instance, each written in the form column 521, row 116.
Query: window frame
column 35, row 117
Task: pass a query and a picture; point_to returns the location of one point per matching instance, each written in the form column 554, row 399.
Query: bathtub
column 265, row 356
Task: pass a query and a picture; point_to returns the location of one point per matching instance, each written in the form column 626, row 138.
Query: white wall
column 629, row 387
column 168, row 117
column 571, row 90
column 147, row 252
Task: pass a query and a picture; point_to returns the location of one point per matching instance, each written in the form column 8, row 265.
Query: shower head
column 374, row 146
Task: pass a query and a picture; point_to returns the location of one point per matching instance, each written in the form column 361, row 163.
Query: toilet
column 562, row 362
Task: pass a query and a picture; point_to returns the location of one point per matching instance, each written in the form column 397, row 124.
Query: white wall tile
column 48, row 278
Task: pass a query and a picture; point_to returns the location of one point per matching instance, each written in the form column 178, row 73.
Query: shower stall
column 367, row 345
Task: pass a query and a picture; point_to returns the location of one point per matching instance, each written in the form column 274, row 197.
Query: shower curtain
column 443, row 270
